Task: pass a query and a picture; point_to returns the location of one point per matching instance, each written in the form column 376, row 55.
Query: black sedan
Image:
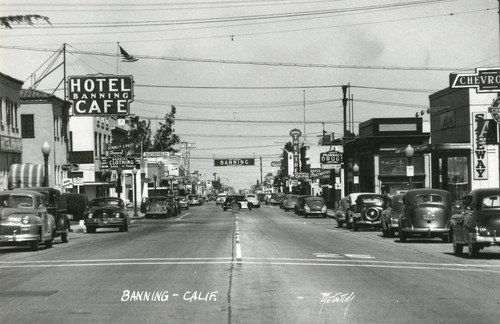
column 477, row 225
column 107, row 212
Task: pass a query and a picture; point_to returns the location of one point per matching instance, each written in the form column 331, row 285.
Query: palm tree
column 7, row 21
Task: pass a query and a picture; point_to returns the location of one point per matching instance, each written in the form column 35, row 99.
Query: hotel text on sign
column 101, row 95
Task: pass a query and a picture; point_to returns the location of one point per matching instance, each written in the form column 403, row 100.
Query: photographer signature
column 337, row 298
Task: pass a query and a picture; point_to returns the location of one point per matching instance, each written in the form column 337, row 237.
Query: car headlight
column 324, row 209
column 90, row 215
column 147, row 207
column 395, row 221
column 25, row 220
column 307, row 209
column 117, row 215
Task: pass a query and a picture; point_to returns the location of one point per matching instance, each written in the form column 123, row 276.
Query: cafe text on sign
column 101, row 95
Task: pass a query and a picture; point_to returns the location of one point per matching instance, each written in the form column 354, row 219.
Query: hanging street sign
column 276, row 164
column 484, row 80
column 101, row 95
column 233, row 162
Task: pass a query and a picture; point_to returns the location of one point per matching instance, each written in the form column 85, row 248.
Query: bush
column 76, row 204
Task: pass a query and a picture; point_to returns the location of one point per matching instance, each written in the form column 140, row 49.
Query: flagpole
column 117, row 55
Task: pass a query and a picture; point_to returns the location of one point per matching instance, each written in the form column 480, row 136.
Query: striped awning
column 25, row 175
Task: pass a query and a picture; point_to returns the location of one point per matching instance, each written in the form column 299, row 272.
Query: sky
column 242, row 74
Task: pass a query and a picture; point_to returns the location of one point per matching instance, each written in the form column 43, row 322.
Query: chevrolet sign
column 484, row 80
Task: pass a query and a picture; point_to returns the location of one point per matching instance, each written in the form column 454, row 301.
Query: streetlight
column 154, row 177
column 134, row 171
column 46, row 151
column 409, row 169
column 355, row 170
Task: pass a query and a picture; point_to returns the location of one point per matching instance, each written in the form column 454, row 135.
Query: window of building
column 396, row 165
column 27, row 126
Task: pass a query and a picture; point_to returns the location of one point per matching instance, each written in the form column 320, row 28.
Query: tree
column 139, row 132
column 7, row 21
column 165, row 139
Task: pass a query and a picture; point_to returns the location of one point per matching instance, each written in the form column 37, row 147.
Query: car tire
column 34, row 246
column 402, row 236
column 65, row 235
column 473, row 250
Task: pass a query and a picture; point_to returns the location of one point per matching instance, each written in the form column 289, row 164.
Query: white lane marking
column 238, row 252
column 181, row 216
column 359, row 256
column 328, row 255
column 333, row 255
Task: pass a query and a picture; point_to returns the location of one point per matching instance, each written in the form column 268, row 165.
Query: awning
column 25, row 175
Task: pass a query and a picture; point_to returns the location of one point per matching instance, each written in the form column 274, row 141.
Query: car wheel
column 65, row 235
column 402, row 236
column 473, row 250
column 34, row 246
column 458, row 248
column 50, row 242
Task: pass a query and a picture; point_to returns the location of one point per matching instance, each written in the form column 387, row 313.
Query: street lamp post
column 134, row 171
column 155, row 176
column 409, row 169
column 355, row 170
column 46, row 151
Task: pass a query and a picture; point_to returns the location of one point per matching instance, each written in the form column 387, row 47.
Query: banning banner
column 101, row 95
column 231, row 162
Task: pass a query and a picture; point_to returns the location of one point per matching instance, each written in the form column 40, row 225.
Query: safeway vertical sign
column 101, row 95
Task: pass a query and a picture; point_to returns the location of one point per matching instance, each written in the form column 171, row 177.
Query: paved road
column 262, row 266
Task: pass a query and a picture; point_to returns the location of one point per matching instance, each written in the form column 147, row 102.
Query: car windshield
column 428, row 198
column 372, row 200
column 157, row 200
column 317, row 200
column 491, row 202
column 106, row 202
column 16, row 201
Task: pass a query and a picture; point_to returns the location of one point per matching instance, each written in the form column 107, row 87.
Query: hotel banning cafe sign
column 101, row 95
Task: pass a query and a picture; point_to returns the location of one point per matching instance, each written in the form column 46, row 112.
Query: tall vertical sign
column 295, row 134
column 480, row 154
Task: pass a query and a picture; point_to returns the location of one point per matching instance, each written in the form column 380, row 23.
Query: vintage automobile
column 352, row 207
column 389, row 221
column 299, row 208
column 220, row 199
column 194, row 200
column 182, row 202
column 341, row 212
column 106, row 212
column 24, row 219
column 315, row 206
column 289, row 202
column 236, row 202
column 369, row 208
column 427, row 213
column 253, row 199
column 56, row 206
column 156, row 206
column 477, row 225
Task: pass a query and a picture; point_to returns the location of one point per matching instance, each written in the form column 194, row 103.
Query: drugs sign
column 101, row 95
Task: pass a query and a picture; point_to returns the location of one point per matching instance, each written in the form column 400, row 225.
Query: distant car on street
column 389, row 221
column 254, row 200
column 236, row 202
column 182, row 202
column 289, row 202
column 369, row 208
column 299, row 208
column 220, row 199
column 107, row 212
column 195, row 200
column 156, row 206
column 478, row 223
column 315, row 206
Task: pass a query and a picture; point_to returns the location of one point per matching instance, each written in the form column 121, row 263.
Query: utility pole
column 261, row 170
column 344, row 103
column 304, row 106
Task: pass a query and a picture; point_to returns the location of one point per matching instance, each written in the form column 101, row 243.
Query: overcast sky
column 244, row 62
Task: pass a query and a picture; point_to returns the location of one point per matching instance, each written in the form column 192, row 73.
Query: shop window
column 457, row 176
column 396, row 165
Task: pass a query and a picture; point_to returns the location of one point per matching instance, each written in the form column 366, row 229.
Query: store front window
column 396, row 165
column 457, row 177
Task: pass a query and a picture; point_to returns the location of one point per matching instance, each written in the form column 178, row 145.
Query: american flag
column 126, row 57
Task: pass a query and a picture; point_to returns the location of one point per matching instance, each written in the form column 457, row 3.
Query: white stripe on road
column 181, row 216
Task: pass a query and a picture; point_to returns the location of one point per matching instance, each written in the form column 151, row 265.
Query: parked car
column 389, row 221
column 478, row 223
column 254, row 200
column 352, row 207
column 182, row 202
column 427, row 213
column 290, row 201
column 368, row 210
column 220, row 199
column 24, row 219
column 195, row 200
column 156, row 206
column 236, row 202
column 276, row 198
column 315, row 206
column 56, row 206
column 299, row 208
column 107, row 212
column 341, row 212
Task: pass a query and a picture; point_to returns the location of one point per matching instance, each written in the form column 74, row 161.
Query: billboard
column 233, row 162
column 101, row 95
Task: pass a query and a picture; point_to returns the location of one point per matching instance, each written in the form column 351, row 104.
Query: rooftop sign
column 101, row 95
column 484, row 80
